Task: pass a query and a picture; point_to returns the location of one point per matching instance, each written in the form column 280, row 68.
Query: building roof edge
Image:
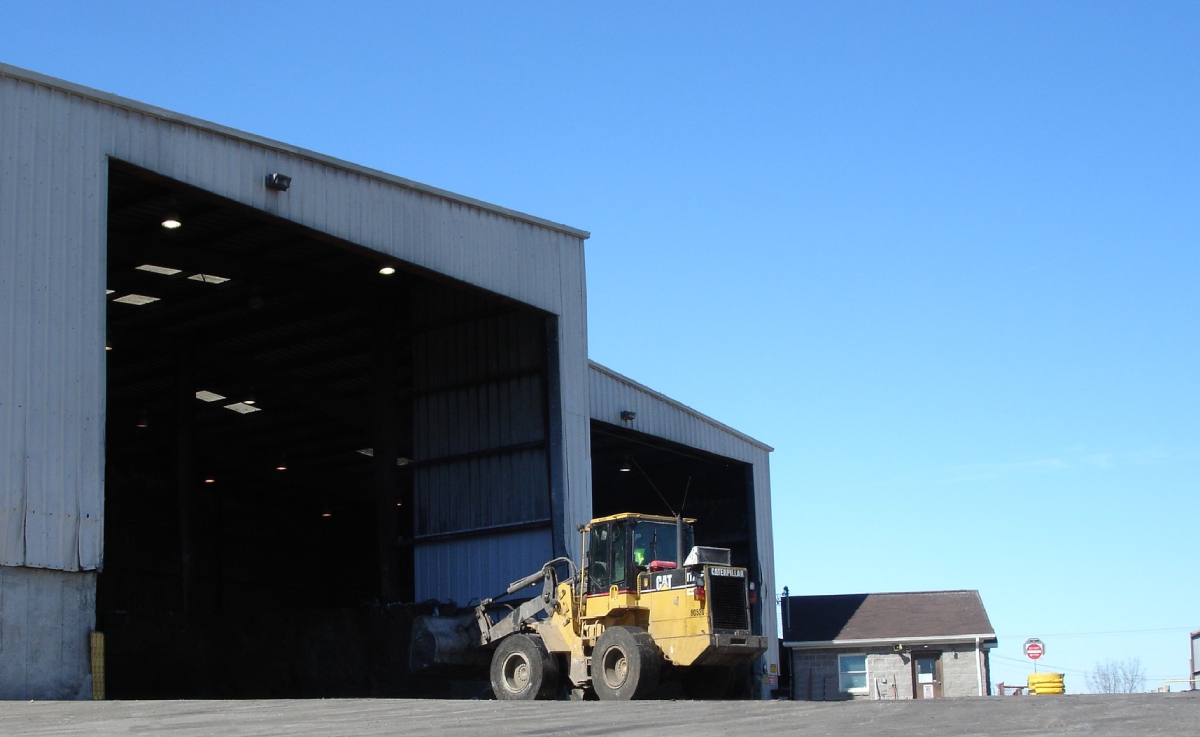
column 107, row 98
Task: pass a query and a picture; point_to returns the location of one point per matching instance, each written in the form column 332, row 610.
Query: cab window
column 656, row 541
column 619, row 554
column 598, row 560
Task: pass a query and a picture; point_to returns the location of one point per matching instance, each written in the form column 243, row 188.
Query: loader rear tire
column 523, row 670
column 625, row 664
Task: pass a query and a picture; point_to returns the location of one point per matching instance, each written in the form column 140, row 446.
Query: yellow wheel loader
column 636, row 612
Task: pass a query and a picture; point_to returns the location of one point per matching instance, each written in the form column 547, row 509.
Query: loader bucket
column 447, row 644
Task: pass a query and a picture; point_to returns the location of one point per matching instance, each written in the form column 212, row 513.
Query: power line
column 1110, row 632
column 1055, row 668
column 1010, row 662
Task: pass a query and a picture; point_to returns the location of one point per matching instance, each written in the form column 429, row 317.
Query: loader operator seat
column 607, row 556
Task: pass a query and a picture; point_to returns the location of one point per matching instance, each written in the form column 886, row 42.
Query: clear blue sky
column 942, row 256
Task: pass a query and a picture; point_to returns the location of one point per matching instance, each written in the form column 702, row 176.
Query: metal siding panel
column 468, row 403
column 481, row 493
column 53, row 263
column 15, row 309
column 461, row 570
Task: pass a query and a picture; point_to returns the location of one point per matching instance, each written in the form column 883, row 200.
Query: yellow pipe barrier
column 1045, row 684
column 1192, row 681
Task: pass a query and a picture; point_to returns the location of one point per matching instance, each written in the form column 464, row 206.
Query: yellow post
column 97, row 642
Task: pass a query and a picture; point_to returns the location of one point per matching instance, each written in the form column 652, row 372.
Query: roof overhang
column 986, row 640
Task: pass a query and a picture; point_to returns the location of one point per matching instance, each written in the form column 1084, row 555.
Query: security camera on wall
column 898, row 647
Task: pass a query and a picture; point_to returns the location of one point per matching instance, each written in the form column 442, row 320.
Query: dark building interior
column 283, row 413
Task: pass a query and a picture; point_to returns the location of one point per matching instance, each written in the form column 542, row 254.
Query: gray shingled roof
column 929, row 614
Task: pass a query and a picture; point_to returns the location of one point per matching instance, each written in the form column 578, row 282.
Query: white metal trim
column 940, row 639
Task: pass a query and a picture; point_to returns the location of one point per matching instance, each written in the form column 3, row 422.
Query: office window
column 852, row 673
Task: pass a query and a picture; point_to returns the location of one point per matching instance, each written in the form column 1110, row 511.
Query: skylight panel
column 164, row 270
column 135, row 299
column 242, row 408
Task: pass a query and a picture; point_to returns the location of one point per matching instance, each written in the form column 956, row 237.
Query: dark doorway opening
column 281, row 415
column 635, row 472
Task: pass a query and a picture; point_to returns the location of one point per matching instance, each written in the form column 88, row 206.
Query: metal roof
column 893, row 617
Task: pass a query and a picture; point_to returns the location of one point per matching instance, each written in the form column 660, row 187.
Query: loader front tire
column 523, row 670
column 625, row 664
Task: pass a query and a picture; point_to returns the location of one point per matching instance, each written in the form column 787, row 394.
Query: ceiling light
column 250, row 397
column 242, row 408
column 143, row 421
column 135, row 299
column 210, row 480
column 108, row 291
column 388, row 270
column 282, row 464
column 326, row 513
column 208, row 278
column 207, row 396
column 626, row 467
column 368, row 452
column 164, row 270
column 171, row 224
column 107, row 344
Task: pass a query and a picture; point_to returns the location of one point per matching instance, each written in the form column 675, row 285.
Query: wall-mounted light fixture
column 388, row 270
column 628, row 415
column 278, row 182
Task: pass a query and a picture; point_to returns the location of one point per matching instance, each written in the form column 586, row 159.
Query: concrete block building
column 920, row 645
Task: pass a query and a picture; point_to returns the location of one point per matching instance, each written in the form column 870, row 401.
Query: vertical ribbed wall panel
column 478, row 567
column 479, row 416
column 51, row 330
column 54, row 141
column 663, row 417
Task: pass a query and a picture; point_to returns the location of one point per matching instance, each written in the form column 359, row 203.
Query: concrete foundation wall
column 45, row 620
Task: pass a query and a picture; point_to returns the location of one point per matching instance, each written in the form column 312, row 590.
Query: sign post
column 1034, row 649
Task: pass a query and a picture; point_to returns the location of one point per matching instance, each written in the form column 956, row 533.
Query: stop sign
column 1034, row 648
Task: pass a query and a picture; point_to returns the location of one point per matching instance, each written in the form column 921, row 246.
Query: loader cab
column 617, row 548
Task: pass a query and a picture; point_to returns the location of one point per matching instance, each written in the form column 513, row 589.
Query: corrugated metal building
column 347, row 391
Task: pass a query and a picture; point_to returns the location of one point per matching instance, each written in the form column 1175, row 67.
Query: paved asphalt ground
column 1137, row 714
